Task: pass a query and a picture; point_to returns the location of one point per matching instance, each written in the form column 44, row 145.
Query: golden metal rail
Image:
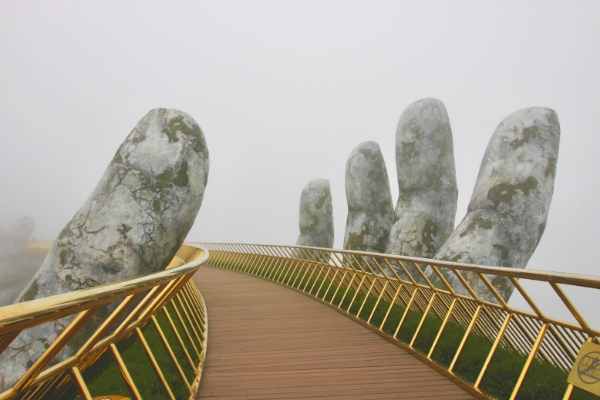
column 490, row 348
column 166, row 307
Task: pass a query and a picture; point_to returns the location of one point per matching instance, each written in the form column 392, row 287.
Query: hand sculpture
column 133, row 223
column 509, row 206
column 370, row 211
column 316, row 215
column 426, row 204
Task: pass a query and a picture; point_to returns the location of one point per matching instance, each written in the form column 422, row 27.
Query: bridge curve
column 401, row 330
column 269, row 342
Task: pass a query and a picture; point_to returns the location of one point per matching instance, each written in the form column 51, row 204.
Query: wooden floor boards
column 269, row 342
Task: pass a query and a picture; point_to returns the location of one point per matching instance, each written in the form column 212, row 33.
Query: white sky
column 284, row 91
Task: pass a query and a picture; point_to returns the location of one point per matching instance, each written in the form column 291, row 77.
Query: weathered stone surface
column 132, row 224
column 509, row 206
column 426, row 205
column 370, row 210
column 316, row 215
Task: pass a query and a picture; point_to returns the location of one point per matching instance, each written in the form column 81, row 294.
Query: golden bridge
column 250, row 321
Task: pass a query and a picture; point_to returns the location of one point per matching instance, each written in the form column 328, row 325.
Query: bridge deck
column 269, row 342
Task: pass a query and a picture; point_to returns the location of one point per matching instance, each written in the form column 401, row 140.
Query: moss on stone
column 138, row 137
column 428, row 238
column 504, row 192
column 527, row 134
column 65, row 255
column 123, row 229
column 478, row 222
column 117, row 158
column 503, row 253
column 320, row 203
column 181, row 177
column 550, row 167
column 156, row 205
column 408, row 150
column 178, row 124
column 165, row 178
column 173, row 176
column 355, row 241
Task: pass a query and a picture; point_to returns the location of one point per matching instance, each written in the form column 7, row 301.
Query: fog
column 284, row 91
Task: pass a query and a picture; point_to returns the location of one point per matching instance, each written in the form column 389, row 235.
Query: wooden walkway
column 268, row 342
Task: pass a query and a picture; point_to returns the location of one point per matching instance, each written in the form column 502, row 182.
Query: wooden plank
column 269, row 342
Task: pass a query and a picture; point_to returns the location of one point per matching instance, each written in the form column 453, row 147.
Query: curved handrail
column 441, row 299
column 137, row 303
column 34, row 312
column 536, row 274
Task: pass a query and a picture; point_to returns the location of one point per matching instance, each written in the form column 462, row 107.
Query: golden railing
column 483, row 343
column 163, row 313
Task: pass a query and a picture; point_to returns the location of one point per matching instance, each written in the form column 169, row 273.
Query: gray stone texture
column 316, row 215
column 370, row 210
column 426, row 205
column 509, row 206
column 131, row 225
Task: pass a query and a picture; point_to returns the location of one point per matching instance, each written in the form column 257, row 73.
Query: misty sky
column 284, row 91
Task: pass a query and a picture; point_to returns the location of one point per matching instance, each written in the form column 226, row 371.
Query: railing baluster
column 492, row 351
column 405, row 313
column 530, row 356
column 422, row 320
column 154, row 363
column 81, row 385
column 356, row 292
column 377, row 302
column 165, row 343
column 179, row 338
column 464, row 338
column 366, row 298
column 186, row 321
column 56, row 346
column 194, row 312
column 323, row 267
column 337, row 269
column 441, row 328
column 568, row 392
column 338, row 287
column 389, row 309
column 313, row 269
column 339, row 305
column 306, row 267
column 125, row 372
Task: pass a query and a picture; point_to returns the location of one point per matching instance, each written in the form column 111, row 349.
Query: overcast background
column 284, row 91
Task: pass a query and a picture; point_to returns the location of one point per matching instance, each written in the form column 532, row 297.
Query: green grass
column 104, row 377
column 544, row 381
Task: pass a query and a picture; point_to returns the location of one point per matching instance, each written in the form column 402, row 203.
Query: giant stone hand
column 131, row 225
column 316, row 215
column 370, row 210
column 426, row 204
column 509, row 206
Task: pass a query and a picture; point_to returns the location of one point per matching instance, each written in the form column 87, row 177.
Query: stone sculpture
column 426, row 205
column 132, row 224
column 370, row 210
column 509, row 206
column 316, row 215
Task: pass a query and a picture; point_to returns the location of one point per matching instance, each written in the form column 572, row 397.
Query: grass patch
column 104, row 377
